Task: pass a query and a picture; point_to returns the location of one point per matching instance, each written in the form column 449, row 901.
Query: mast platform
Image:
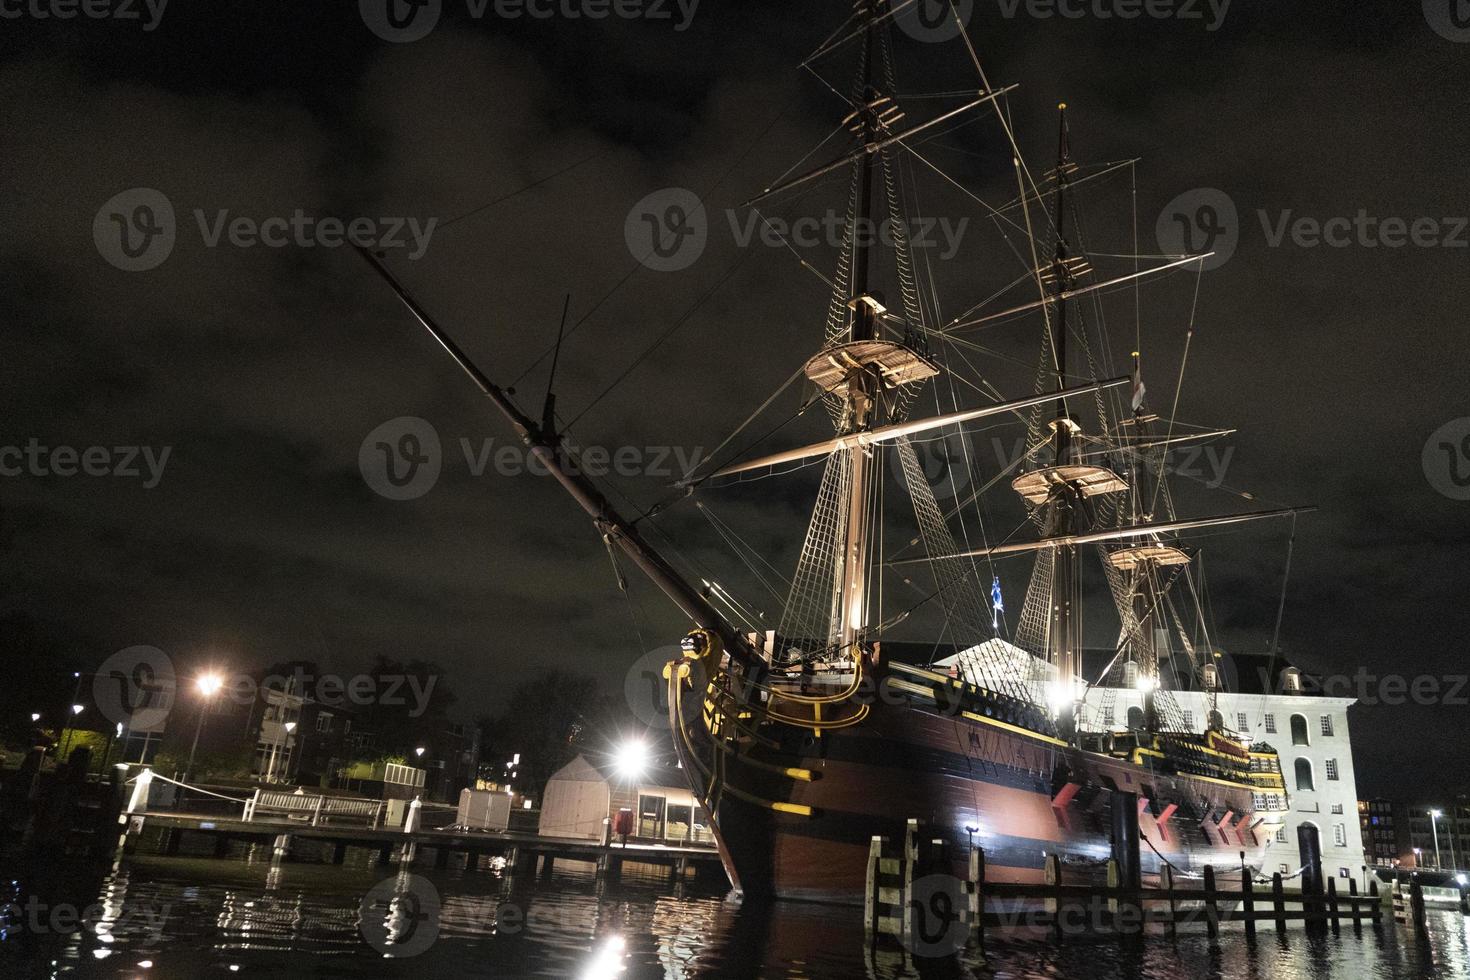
column 893, row 362
column 1036, row 486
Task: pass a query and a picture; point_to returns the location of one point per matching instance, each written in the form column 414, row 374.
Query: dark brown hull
column 950, row 773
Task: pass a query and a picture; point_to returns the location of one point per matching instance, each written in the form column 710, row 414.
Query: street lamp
column 1434, row 816
column 35, row 717
column 281, row 736
column 208, row 685
column 76, row 709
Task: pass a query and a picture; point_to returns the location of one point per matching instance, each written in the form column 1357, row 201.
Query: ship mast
column 852, row 562
column 1065, row 626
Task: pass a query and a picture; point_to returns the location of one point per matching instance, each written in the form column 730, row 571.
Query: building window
column 324, row 722
column 1284, row 869
column 1135, row 717
column 1304, row 775
column 1339, row 835
column 1281, row 839
column 1344, row 873
column 1337, row 808
column 1270, row 724
column 1130, row 675
column 1299, row 734
column 1189, row 721
column 1240, row 722
column 1327, row 725
column 1108, row 716
column 1331, row 768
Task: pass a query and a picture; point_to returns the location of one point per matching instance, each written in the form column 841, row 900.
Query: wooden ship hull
column 795, row 819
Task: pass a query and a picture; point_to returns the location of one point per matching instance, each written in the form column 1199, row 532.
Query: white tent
column 576, row 801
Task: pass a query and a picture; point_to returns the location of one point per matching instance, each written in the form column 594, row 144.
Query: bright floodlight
column 1436, row 814
column 631, row 758
column 419, row 751
column 1146, row 683
column 208, row 684
column 290, row 727
column 76, row 709
column 35, row 717
column 1460, row 879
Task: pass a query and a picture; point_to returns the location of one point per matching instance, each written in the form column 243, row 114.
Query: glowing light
column 35, row 717
column 1460, row 879
column 608, row 961
column 1146, row 683
column 1436, row 814
column 77, row 709
column 631, row 758
column 209, row 684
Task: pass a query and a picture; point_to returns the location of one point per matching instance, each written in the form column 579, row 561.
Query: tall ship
column 805, row 740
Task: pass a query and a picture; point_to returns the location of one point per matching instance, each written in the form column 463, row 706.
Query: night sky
column 264, row 369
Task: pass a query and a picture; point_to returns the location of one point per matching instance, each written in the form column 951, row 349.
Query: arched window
column 1304, row 775
column 1299, row 730
column 1135, row 717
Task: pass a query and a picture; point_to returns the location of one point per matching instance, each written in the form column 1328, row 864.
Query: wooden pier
column 464, row 848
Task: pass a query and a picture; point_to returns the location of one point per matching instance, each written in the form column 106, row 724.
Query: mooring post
column 339, row 852
column 1278, row 899
column 1166, row 881
column 282, row 850
column 1332, row 902
column 1212, row 909
column 910, row 859
column 1353, row 901
column 1248, row 902
column 1376, row 906
column 1054, row 903
column 1129, row 868
column 221, row 845
column 409, row 850
column 977, row 896
column 1416, row 906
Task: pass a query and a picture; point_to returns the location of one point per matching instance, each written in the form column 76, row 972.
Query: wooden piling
column 222, row 845
column 1332, row 902
column 1212, row 907
column 1416, row 906
column 1353, row 898
column 339, row 852
column 1278, row 899
column 1166, row 881
column 1054, row 902
column 977, row 897
column 1248, row 902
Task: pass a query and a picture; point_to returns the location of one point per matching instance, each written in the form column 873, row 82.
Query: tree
column 548, row 720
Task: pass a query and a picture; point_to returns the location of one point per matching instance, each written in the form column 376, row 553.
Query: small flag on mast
column 997, row 605
column 1138, row 389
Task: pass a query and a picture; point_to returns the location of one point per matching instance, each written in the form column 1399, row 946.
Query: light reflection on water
column 187, row 917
